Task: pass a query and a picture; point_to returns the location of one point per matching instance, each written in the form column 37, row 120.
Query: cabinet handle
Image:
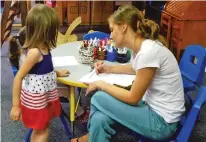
column 176, row 27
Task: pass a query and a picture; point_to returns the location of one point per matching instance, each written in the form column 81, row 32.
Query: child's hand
column 63, row 73
column 15, row 113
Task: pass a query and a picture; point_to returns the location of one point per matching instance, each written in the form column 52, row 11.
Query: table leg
column 72, row 128
column 72, row 108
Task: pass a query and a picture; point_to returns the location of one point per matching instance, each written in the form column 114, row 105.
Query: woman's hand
column 100, row 67
column 94, row 86
column 62, row 73
column 15, row 113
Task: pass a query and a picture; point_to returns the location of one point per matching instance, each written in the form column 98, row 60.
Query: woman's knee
column 100, row 96
column 98, row 119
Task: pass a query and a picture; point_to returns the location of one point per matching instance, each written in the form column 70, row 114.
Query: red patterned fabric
column 39, row 118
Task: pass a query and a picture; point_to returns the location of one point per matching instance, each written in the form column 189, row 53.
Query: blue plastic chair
column 192, row 66
column 28, row 135
column 189, row 122
column 97, row 34
column 14, row 69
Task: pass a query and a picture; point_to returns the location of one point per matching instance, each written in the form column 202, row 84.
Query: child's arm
column 33, row 57
column 62, row 73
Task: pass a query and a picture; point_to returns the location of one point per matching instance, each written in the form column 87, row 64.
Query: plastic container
column 111, row 56
column 123, row 58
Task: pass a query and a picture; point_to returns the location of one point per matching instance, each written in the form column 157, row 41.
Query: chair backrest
column 97, row 34
column 192, row 116
column 184, row 132
column 14, row 69
column 193, row 62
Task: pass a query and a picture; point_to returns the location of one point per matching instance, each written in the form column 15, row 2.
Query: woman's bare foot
column 84, row 138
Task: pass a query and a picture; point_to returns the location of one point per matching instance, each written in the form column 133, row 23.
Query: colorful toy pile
column 102, row 50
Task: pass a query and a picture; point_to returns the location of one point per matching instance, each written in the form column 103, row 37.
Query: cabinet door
column 108, row 7
column 72, row 11
column 84, row 11
column 59, row 10
column 97, row 7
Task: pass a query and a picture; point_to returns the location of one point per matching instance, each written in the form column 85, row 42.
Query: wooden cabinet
column 96, row 15
column 91, row 12
column 84, row 11
column 61, row 7
column 108, row 9
column 101, row 10
column 59, row 10
column 78, row 8
column 72, row 11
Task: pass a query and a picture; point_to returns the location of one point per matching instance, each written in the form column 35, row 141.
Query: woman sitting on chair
column 154, row 104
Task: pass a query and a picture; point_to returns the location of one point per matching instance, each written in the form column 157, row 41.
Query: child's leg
column 40, row 135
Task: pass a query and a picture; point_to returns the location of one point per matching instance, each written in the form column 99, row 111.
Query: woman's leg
column 106, row 110
column 99, row 126
column 40, row 135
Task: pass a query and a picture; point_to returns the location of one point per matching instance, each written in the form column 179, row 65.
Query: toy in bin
column 123, row 55
column 101, row 51
column 111, row 51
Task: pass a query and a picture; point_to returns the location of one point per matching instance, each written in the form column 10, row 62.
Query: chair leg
column 65, row 115
column 28, row 136
column 65, row 126
column 191, row 101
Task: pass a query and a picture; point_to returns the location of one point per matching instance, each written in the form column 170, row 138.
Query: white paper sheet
column 64, row 61
column 119, row 79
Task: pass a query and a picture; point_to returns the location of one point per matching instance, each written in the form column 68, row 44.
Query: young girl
column 17, row 57
column 35, row 96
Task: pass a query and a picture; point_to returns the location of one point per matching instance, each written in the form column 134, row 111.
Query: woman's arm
column 32, row 58
column 142, row 81
column 122, row 69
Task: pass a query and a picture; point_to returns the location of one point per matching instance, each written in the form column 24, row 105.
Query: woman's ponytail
column 150, row 30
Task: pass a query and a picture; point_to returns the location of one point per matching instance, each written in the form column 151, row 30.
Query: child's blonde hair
column 42, row 25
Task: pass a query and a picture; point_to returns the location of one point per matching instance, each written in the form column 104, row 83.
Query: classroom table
column 76, row 72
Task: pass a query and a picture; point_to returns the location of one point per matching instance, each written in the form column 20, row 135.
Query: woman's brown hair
column 42, row 26
column 144, row 27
